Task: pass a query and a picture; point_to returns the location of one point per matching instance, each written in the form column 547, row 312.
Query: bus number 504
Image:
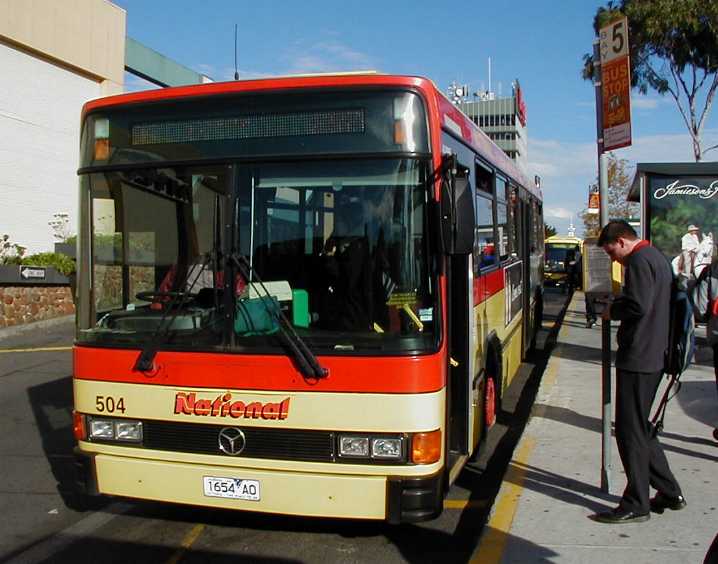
column 108, row 404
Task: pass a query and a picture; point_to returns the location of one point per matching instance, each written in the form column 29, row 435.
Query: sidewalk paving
column 542, row 513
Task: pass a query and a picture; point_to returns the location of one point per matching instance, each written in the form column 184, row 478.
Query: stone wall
column 25, row 304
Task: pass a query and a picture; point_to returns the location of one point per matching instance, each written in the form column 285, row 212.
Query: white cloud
column 224, row 74
column 549, row 157
column 669, row 147
column 327, row 56
column 558, row 213
column 644, row 103
column 567, row 169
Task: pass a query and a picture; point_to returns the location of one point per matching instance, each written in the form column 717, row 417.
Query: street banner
column 616, row 100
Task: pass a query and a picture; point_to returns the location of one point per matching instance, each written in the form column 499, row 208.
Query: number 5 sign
column 614, row 40
column 615, row 85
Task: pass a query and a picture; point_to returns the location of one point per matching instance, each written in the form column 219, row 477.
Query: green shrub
column 62, row 263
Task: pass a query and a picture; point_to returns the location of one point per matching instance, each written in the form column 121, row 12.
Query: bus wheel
column 490, row 403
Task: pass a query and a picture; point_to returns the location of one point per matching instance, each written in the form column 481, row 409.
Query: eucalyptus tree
column 674, row 51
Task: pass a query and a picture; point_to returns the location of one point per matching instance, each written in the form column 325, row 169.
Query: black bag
column 701, row 295
column 681, row 346
column 682, row 332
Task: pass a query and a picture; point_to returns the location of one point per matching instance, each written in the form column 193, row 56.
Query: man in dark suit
column 643, row 309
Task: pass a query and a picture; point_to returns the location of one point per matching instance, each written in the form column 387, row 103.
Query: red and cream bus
column 297, row 295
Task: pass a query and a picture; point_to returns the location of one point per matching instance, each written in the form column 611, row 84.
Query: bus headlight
column 128, row 431
column 121, row 430
column 353, row 446
column 387, row 448
column 372, row 448
column 101, row 429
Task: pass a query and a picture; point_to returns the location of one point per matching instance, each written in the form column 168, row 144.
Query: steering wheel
column 156, row 295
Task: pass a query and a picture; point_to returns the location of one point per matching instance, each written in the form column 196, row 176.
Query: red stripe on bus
column 411, row 375
column 487, row 285
column 267, row 84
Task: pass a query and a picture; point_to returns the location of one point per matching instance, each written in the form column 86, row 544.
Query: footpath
column 552, row 487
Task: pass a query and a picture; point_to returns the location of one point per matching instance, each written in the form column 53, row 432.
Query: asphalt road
column 41, row 520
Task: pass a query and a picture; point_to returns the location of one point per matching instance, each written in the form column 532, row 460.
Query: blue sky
column 539, row 42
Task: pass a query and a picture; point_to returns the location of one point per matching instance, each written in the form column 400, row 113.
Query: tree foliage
column 10, row 252
column 62, row 263
column 549, row 230
column 619, row 183
column 673, row 50
column 60, row 225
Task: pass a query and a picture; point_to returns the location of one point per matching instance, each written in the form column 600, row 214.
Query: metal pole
column 606, row 403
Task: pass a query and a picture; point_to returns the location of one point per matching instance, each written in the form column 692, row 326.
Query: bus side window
column 487, row 251
column 485, row 232
column 514, row 211
column 502, row 220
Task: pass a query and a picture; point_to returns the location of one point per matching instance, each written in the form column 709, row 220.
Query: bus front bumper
column 396, row 499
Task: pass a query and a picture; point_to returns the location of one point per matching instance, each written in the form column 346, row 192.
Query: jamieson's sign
column 703, row 190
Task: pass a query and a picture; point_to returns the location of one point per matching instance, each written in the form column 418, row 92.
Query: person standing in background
column 689, row 247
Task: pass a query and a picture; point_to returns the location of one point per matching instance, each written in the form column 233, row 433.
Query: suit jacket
column 347, row 304
column 644, row 310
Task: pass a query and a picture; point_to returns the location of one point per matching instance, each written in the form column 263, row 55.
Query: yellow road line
column 464, row 503
column 187, row 542
column 493, row 542
column 39, row 349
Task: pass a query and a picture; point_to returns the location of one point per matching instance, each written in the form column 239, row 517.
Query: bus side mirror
column 457, row 214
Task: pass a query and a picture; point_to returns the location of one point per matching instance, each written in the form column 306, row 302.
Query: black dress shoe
column 661, row 502
column 619, row 516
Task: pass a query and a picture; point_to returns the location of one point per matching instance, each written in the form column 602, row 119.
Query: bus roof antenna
column 236, row 72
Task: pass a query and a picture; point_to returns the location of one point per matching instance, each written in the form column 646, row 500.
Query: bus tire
column 490, row 401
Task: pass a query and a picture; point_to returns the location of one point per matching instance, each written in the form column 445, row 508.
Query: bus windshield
column 558, row 255
column 338, row 246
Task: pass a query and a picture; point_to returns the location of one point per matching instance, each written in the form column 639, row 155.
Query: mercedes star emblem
column 231, row 441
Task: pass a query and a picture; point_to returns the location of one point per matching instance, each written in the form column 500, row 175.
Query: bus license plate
column 232, row 488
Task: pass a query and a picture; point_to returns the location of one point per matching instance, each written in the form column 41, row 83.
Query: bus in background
column 299, row 295
column 563, row 262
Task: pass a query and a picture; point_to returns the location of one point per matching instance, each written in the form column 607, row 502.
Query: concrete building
column 503, row 119
column 55, row 56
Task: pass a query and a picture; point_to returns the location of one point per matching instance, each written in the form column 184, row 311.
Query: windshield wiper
column 178, row 300
column 211, row 259
column 308, row 363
